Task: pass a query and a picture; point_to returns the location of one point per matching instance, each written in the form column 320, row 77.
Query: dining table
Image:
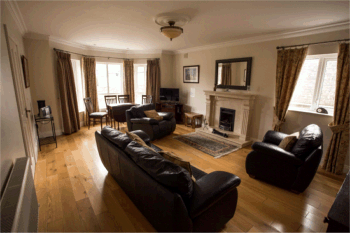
column 116, row 111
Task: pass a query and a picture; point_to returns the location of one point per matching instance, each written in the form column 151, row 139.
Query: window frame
column 108, row 87
column 323, row 58
column 136, row 77
column 81, row 105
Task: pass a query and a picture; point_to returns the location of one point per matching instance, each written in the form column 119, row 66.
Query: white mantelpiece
column 242, row 102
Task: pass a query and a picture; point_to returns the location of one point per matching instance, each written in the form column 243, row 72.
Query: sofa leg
column 295, row 191
column 252, row 176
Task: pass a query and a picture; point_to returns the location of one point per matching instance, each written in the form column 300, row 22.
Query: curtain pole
column 60, row 50
column 325, row 42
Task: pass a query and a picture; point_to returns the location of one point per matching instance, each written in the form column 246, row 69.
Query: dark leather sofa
column 137, row 120
column 292, row 170
column 182, row 205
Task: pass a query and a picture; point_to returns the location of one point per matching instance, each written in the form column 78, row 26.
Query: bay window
column 139, row 81
column 78, row 84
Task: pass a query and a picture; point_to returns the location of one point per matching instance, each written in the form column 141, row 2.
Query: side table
column 47, row 140
column 195, row 119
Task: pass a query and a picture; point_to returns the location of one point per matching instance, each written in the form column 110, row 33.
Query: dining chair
column 147, row 99
column 93, row 115
column 110, row 99
column 123, row 98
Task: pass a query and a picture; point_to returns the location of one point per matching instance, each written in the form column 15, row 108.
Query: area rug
column 209, row 145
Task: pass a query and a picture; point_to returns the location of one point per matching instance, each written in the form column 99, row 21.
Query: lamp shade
column 171, row 31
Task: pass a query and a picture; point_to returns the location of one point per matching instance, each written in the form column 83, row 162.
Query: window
column 78, row 84
column 140, row 82
column 316, row 84
column 108, row 80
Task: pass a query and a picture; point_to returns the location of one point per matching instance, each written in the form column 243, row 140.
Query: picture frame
column 191, row 74
column 25, row 71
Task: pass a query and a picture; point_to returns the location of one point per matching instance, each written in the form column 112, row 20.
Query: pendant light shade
column 171, row 31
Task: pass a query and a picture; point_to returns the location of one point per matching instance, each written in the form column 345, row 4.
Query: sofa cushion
column 310, row 138
column 288, row 142
column 166, row 115
column 161, row 169
column 116, row 137
column 153, row 114
column 139, row 140
column 137, row 111
column 178, row 161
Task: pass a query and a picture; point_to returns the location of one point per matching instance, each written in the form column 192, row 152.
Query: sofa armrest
column 144, row 120
column 166, row 115
column 209, row 189
column 142, row 135
column 274, row 137
column 276, row 152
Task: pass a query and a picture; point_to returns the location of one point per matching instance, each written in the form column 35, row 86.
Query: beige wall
column 262, row 79
column 12, row 145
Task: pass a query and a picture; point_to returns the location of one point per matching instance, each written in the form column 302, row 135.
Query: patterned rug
column 206, row 144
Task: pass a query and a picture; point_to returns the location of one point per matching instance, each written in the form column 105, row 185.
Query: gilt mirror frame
column 249, row 69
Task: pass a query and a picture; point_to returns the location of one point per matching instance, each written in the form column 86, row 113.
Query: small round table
column 195, row 119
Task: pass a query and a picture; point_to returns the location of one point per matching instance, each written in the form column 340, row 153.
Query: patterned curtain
column 339, row 144
column 289, row 63
column 68, row 96
column 226, row 74
column 153, row 79
column 129, row 80
column 89, row 70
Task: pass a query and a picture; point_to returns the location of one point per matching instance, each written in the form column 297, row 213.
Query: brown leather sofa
column 163, row 191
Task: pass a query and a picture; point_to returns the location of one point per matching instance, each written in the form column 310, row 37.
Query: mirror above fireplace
column 233, row 73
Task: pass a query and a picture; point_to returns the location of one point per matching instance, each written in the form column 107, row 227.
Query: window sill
column 310, row 112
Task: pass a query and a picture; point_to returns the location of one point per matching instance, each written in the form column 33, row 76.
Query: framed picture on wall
column 191, row 74
column 25, row 71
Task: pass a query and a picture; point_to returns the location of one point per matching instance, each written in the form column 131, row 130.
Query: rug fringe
column 219, row 156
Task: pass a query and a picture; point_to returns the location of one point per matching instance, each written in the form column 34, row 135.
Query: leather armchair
column 292, row 170
column 137, row 120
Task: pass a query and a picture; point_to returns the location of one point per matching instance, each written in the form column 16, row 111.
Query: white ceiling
column 130, row 25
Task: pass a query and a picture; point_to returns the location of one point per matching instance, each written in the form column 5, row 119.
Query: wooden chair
column 123, row 99
column 93, row 115
column 147, row 99
column 110, row 99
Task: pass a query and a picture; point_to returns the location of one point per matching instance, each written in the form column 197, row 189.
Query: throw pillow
column 139, row 140
column 288, row 142
column 178, row 161
column 153, row 114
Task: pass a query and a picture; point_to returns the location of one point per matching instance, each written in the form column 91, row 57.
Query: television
column 169, row 94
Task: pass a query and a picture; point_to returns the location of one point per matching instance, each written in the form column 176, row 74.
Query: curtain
column 289, row 63
column 226, row 74
column 338, row 147
column 89, row 70
column 153, row 79
column 68, row 96
column 129, row 80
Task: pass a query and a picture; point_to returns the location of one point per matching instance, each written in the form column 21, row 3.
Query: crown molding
column 269, row 37
column 17, row 16
column 67, row 42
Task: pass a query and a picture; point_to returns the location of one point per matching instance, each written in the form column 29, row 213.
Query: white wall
column 262, row 79
column 12, row 145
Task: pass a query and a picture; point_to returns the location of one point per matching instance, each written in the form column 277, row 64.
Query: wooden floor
column 76, row 193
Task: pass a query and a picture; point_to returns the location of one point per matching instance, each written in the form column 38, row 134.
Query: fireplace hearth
column 227, row 119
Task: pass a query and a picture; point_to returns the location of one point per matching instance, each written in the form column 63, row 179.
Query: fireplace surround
column 242, row 102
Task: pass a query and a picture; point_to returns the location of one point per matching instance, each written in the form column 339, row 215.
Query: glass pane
column 328, row 86
column 101, row 102
column 115, row 81
column 304, row 90
column 140, row 69
column 78, row 84
column 101, row 78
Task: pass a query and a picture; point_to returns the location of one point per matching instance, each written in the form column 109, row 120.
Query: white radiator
column 19, row 205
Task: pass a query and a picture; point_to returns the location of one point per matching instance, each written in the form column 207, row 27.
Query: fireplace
column 227, row 119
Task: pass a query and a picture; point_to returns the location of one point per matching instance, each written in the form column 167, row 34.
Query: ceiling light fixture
column 171, row 31
column 168, row 21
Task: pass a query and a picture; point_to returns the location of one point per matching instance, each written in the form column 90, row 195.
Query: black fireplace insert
column 227, row 119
